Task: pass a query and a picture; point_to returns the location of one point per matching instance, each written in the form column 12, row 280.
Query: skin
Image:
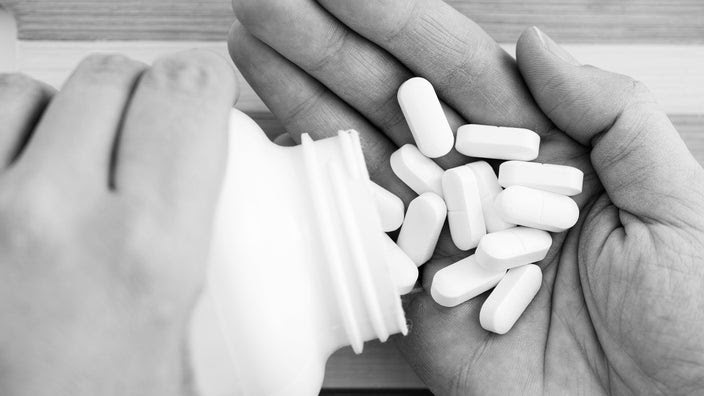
column 107, row 193
column 620, row 309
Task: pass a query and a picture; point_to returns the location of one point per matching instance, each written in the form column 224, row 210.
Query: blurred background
column 658, row 42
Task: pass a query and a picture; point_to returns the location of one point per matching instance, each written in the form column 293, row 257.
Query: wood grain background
column 658, row 41
column 574, row 21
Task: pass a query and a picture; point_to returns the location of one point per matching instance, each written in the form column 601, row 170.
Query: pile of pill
column 507, row 219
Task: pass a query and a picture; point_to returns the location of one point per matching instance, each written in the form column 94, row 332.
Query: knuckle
column 14, row 86
column 17, row 82
column 154, row 258
column 334, row 48
column 30, row 212
column 405, row 20
column 632, row 91
column 303, row 110
column 189, row 75
column 473, row 64
column 639, row 91
column 104, row 68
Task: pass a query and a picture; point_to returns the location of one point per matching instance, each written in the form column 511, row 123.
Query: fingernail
column 555, row 49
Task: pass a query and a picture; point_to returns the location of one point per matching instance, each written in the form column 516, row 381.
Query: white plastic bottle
column 297, row 268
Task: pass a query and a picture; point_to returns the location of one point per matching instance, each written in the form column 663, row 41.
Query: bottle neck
column 351, row 238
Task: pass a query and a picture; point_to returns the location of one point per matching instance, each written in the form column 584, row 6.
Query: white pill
column 559, row 179
column 510, row 298
column 425, row 117
column 513, row 247
column 419, row 172
column 421, row 228
column 487, row 141
column 404, row 272
column 537, row 209
column 464, row 207
column 489, row 188
column 463, row 281
column 389, row 206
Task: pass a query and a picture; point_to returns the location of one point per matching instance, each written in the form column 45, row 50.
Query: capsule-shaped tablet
column 464, row 207
column 421, row 228
column 463, row 281
column 425, row 117
column 513, row 247
column 419, row 172
column 489, row 188
column 559, row 179
column 404, row 271
column 510, row 298
column 487, row 141
column 537, row 209
column 389, row 206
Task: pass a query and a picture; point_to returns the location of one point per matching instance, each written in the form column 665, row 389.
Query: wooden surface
column 660, row 42
column 578, row 21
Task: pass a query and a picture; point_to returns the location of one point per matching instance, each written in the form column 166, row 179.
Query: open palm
column 620, row 309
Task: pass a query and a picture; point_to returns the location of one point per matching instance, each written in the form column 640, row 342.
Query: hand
column 621, row 306
column 107, row 192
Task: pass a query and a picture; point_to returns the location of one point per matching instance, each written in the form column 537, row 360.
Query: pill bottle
column 298, row 266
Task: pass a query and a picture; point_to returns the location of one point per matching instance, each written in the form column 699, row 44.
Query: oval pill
column 463, row 281
column 489, row 188
column 419, row 172
column 487, row 141
column 389, row 206
column 421, row 229
column 537, row 209
column 464, row 207
column 513, row 247
column 403, row 270
column 426, row 119
column 560, row 179
column 510, row 298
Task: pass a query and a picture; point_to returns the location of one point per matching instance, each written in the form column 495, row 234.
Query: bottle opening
column 351, row 232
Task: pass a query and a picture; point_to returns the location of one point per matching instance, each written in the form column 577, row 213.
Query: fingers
column 305, row 106
column 22, row 102
column 73, row 141
column 356, row 70
column 469, row 70
column 173, row 146
column 640, row 158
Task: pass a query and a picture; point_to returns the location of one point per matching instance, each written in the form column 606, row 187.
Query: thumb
column 638, row 155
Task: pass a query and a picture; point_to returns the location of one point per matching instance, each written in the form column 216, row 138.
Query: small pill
column 425, row 117
column 463, row 281
column 559, row 179
column 487, row 141
column 510, row 298
column 489, row 188
column 404, row 272
column 513, row 247
column 389, row 206
column 464, row 207
column 419, row 172
column 537, row 209
column 421, row 228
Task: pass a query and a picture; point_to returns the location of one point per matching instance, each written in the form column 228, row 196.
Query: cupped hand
column 107, row 193
column 621, row 306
